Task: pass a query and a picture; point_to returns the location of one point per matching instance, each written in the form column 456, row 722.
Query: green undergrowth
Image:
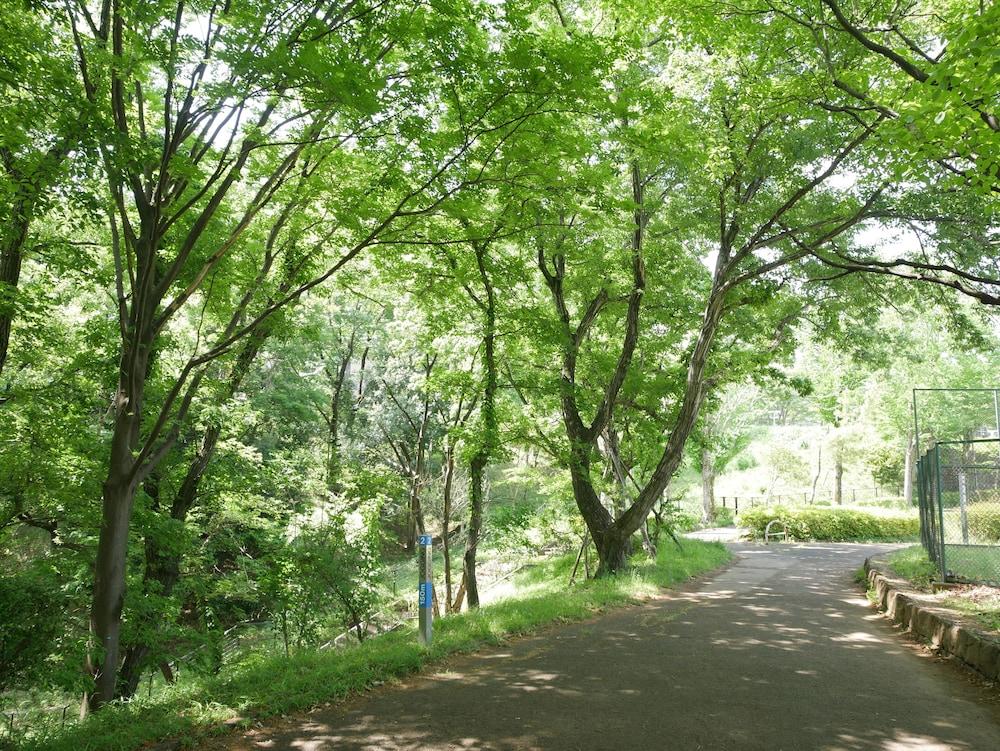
column 271, row 685
column 833, row 524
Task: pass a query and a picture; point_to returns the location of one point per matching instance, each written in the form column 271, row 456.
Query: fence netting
column 959, row 498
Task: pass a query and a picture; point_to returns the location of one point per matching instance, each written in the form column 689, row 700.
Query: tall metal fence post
column 963, row 504
column 996, row 410
column 425, row 601
column 940, row 505
column 921, row 508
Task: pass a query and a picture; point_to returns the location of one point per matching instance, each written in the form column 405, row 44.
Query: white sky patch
column 886, row 241
column 709, row 259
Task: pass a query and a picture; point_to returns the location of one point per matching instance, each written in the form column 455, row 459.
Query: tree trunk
column 338, row 379
column 489, row 437
column 449, row 476
column 647, row 540
column 10, row 273
column 838, row 481
column 333, row 446
column 475, row 526
column 415, row 522
column 707, row 486
column 163, row 567
column 456, row 606
column 118, row 499
column 29, row 191
column 109, row 584
column 819, row 470
column 595, row 514
column 612, row 537
column 908, row 464
column 162, row 570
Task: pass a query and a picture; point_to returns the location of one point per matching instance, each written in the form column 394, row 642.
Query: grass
column 980, row 602
column 913, row 564
column 979, row 564
column 270, row 685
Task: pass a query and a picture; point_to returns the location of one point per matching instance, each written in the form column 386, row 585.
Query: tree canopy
column 285, row 284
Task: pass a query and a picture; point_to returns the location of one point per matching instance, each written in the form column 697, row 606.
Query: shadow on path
column 781, row 651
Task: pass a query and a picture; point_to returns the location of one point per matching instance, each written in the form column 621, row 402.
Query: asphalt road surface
column 780, row 651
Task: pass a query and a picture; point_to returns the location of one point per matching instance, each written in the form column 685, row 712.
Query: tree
column 950, row 107
column 768, row 218
column 723, row 433
column 928, row 69
column 247, row 105
column 41, row 122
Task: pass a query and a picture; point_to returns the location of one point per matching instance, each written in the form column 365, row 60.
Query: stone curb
column 978, row 650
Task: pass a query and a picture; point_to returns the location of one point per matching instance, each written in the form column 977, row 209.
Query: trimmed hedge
column 984, row 522
column 833, row 524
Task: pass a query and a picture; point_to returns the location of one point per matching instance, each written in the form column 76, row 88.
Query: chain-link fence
column 958, row 486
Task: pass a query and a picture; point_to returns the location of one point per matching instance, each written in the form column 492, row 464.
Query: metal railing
column 768, row 534
column 809, row 498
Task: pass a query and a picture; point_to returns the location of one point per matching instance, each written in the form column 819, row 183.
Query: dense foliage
column 285, row 284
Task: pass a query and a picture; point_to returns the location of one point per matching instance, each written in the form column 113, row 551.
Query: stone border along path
column 782, row 651
column 946, row 630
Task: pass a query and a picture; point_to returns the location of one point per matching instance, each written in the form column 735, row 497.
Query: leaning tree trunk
column 608, row 534
column 819, row 471
column 612, row 550
column 673, row 452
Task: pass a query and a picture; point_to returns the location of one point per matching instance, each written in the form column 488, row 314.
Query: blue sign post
column 425, row 601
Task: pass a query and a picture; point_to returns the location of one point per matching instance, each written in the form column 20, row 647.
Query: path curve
column 780, row 652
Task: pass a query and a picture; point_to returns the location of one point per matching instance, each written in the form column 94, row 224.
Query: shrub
column 724, row 517
column 29, row 623
column 886, row 465
column 327, row 572
column 677, row 519
column 984, row 522
column 832, row 524
column 509, row 525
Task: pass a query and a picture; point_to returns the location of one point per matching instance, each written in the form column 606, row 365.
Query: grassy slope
column 982, row 603
column 272, row 685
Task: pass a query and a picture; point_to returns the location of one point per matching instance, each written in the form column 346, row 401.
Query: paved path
column 781, row 651
column 719, row 534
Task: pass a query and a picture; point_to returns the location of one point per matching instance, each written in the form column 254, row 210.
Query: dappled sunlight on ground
column 777, row 652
